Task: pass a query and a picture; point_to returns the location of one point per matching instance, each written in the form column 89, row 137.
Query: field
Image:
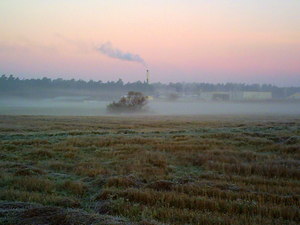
column 150, row 170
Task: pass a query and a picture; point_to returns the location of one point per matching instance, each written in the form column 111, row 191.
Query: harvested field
column 150, row 170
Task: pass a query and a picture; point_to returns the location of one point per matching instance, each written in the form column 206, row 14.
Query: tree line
column 46, row 87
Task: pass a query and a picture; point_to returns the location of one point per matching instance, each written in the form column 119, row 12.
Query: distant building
column 215, row 96
column 251, row 95
column 236, row 96
column 295, row 96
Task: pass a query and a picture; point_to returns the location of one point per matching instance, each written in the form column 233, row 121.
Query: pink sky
column 201, row 41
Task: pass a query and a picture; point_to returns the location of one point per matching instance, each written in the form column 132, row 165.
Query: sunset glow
column 204, row 41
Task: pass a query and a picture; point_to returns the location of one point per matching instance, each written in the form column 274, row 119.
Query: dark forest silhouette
column 11, row 86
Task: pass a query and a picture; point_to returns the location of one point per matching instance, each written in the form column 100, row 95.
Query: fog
column 98, row 108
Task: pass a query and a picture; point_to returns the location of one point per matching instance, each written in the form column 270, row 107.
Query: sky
column 216, row 41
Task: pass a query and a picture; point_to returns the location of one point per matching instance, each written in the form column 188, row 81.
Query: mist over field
column 90, row 98
column 12, row 106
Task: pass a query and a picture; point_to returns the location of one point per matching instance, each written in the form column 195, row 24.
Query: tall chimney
column 147, row 76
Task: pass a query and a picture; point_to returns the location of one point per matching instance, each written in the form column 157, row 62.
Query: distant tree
column 132, row 102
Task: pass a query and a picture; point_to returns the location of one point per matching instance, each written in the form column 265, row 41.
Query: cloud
column 108, row 50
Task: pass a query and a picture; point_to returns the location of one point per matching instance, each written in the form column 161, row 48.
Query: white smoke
column 109, row 50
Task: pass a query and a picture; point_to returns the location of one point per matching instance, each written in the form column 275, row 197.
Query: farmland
column 150, row 170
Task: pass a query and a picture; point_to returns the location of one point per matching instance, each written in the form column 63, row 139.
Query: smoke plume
column 109, row 50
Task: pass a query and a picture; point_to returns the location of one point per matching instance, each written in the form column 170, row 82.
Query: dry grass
column 171, row 170
column 75, row 187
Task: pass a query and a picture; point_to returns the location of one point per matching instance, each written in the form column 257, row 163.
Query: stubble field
column 150, row 170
